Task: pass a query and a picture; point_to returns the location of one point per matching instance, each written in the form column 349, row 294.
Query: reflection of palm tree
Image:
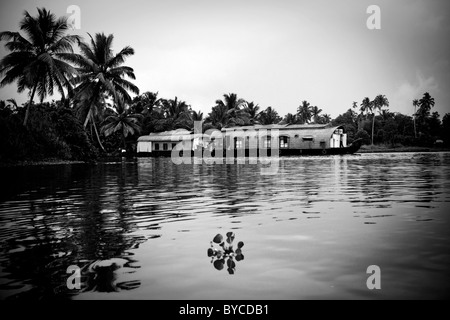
column 39, row 62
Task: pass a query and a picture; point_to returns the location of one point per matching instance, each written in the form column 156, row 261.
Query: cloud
column 407, row 92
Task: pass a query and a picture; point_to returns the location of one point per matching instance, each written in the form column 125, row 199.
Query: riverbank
column 385, row 149
column 40, row 163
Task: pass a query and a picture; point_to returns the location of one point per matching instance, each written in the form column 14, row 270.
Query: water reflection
column 137, row 226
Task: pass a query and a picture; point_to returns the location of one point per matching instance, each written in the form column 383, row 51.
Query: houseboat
column 256, row 140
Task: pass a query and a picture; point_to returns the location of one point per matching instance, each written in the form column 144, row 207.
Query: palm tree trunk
column 96, row 133
column 27, row 112
column 414, row 118
column 373, row 126
column 88, row 117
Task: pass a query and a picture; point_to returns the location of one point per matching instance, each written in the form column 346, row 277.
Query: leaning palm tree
column 38, row 61
column 122, row 120
column 101, row 76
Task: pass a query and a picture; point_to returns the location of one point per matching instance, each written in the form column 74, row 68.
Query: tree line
column 97, row 113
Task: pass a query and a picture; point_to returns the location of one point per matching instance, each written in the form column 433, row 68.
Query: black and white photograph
column 224, row 155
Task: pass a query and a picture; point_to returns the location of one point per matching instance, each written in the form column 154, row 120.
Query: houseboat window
column 296, row 135
column 165, row 146
column 239, row 144
column 308, row 139
column 156, row 146
column 267, row 142
column 284, row 142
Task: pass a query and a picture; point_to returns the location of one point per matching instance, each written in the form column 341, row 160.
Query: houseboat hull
column 351, row 149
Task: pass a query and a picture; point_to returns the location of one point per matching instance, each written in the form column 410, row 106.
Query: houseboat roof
column 173, row 135
column 280, row 127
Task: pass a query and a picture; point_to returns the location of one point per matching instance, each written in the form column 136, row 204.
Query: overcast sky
column 275, row 53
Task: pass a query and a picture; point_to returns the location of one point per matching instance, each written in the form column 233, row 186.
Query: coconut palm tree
column 415, row 104
column 122, row 120
column 175, row 114
column 38, row 60
column 315, row 112
column 236, row 109
column 324, row 119
column 289, row 119
column 218, row 118
column 146, row 103
column 304, row 113
column 269, row 116
column 425, row 105
column 379, row 102
column 253, row 110
column 101, row 76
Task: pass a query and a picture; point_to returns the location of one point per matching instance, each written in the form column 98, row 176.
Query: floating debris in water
column 225, row 254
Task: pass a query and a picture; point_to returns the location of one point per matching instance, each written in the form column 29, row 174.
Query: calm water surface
column 141, row 229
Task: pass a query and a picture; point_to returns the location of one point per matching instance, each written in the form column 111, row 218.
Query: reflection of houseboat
column 290, row 139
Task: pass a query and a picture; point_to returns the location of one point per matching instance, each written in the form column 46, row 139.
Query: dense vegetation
column 97, row 116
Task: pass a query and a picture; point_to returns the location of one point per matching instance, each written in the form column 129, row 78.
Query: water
column 141, row 229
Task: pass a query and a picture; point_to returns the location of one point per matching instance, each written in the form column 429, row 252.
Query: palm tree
column 236, row 109
column 269, row 116
column 315, row 112
column 379, row 102
column 304, row 113
column 38, row 62
column 324, row 119
column 176, row 114
column 415, row 104
column 146, row 103
column 197, row 115
column 252, row 109
column 425, row 105
column 290, row 119
column 101, row 76
column 365, row 109
column 218, row 117
column 122, row 120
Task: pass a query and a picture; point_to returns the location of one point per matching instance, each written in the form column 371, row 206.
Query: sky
column 275, row 53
